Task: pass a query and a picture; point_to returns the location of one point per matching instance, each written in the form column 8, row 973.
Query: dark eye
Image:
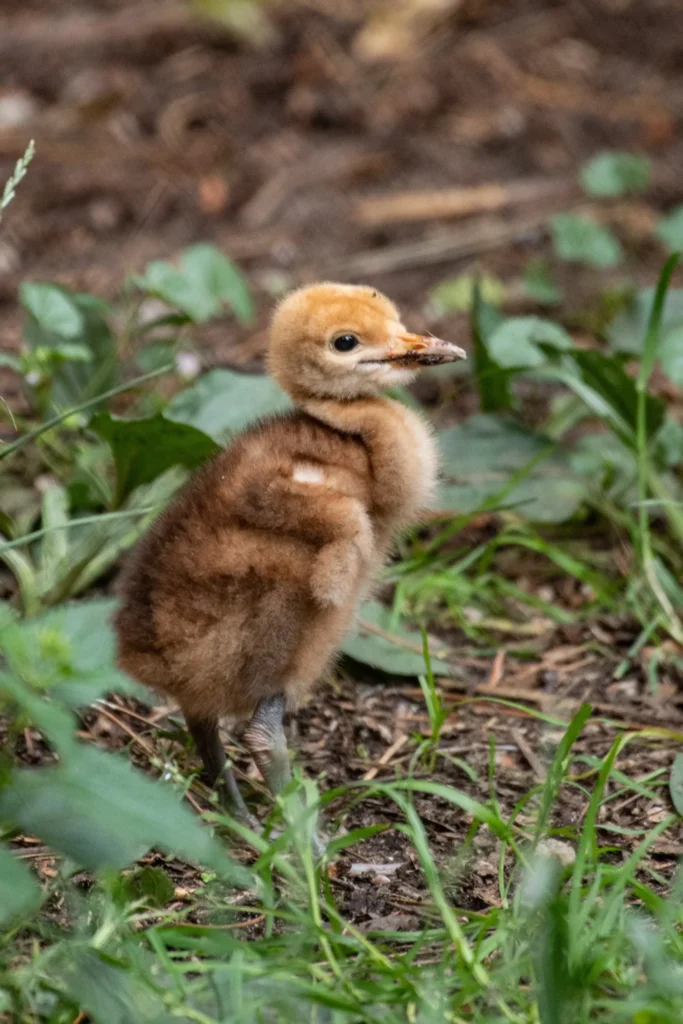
column 345, row 342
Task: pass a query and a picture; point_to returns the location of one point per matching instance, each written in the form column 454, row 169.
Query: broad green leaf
column 222, row 402
column 95, row 808
column 204, row 281
column 456, row 294
column 676, row 784
column 627, row 331
column 539, row 282
column 19, row 891
column 209, row 270
column 52, row 308
column 397, row 651
column 581, row 240
column 615, row 174
column 670, row 228
column 671, row 355
column 144, row 449
column 516, row 343
column 481, row 454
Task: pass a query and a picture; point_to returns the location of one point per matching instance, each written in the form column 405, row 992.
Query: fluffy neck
column 402, row 449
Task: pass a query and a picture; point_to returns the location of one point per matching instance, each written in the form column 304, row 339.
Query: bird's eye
column 345, row 342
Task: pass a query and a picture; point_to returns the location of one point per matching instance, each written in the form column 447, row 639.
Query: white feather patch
column 308, row 473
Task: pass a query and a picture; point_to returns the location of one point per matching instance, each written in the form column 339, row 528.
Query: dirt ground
column 155, row 130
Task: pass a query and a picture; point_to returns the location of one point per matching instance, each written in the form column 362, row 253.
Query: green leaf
column 396, row 651
column 456, row 294
column 111, row 991
column 581, row 240
column 150, row 884
column 77, row 379
column 493, row 382
column 480, row 455
column 628, row 329
column 19, row 891
column 676, row 784
column 72, row 649
column 144, row 449
column 99, row 811
column 606, row 376
column 201, row 285
column 516, row 343
column 52, row 308
column 615, row 174
column 671, row 355
column 209, row 270
column 539, row 282
column 222, row 402
column 670, row 228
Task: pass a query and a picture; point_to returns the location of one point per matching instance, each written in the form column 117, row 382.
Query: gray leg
column 265, row 738
column 267, row 744
column 216, row 768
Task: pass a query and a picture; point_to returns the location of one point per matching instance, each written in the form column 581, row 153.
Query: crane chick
column 240, row 594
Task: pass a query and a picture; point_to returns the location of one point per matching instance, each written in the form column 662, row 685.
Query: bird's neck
column 402, row 449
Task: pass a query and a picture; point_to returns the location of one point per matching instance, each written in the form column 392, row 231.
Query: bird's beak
column 425, row 350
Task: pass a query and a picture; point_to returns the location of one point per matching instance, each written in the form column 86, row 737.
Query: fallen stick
column 468, row 240
column 457, row 202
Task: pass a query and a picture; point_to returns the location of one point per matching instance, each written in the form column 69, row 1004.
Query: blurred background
column 329, row 139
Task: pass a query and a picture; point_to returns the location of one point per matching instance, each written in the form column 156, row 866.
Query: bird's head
column 346, row 341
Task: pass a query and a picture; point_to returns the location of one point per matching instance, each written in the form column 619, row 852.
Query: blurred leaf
column 479, row 457
column 72, row 650
column 671, row 355
column 607, row 377
column 223, row 402
column 516, row 343
column 52, row 308
column 19, row 891
column 670, row 228
column 209, row 270
column 144, row 449
column 456, row 294
column 108, row 990
column 204, row 281
column 76, row 380
column 99, row 811
column 627, row 331
column 539, row 282
column 493, row 382
column 150, row 884
column 382, row 652
column 581, row 240
column 615, row 174
column 676, row 784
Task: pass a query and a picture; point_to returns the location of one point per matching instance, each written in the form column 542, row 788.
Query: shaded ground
column 154, row 131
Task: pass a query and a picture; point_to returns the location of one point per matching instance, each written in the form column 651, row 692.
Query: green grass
column 595, row 940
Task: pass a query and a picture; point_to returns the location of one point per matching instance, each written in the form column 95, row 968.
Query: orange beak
column 424, row 350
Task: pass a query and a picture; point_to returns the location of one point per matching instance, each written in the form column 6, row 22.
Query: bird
column 237, row 599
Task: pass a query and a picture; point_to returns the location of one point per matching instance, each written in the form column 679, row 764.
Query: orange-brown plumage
column 243, row 589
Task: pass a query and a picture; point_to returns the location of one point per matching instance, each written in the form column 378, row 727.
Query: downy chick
column 240, row 594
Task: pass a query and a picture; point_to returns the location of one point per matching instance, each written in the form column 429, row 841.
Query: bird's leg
column 265, row 738
column 267, row 744
column 216, row 768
